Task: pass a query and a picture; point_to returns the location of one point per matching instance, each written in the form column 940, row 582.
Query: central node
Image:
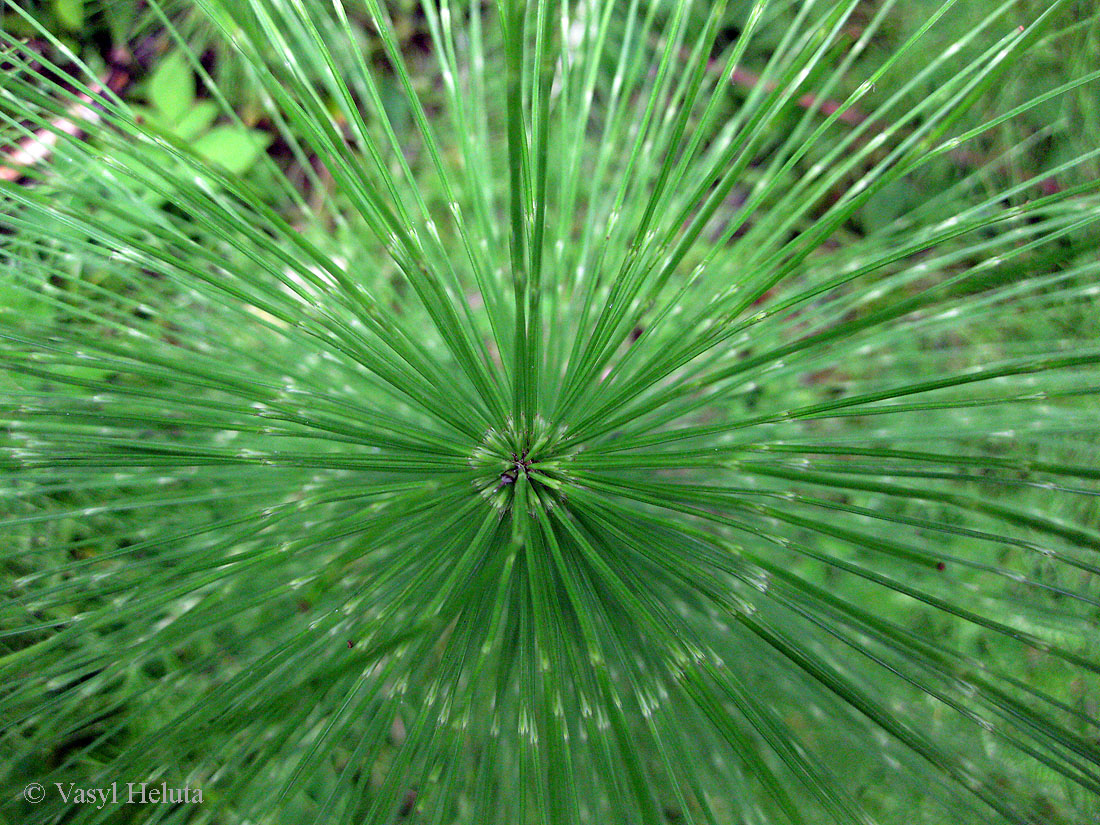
column 507, row 460
column 521, row 464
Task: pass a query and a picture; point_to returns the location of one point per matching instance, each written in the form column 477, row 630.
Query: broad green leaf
column 172, row 87
column 196, row 120
column 70, row 13
column 232, row 147
column 120, row 19
column 153, row 117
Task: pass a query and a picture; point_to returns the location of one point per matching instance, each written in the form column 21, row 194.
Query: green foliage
column 176, row 110
column 172, row 88
column 554, row 412
column 70, row 13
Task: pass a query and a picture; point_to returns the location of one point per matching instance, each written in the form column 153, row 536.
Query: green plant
column 590, row 447
column 174, row 108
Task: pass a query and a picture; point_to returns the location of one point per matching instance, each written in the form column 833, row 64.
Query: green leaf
column 120, row 19
column 152, row 117
column 196, row 120
column 232, row 147
column 172, row 87
column 69, row 13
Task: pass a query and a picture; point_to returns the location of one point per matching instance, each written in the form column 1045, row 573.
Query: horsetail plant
column 613, row 412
